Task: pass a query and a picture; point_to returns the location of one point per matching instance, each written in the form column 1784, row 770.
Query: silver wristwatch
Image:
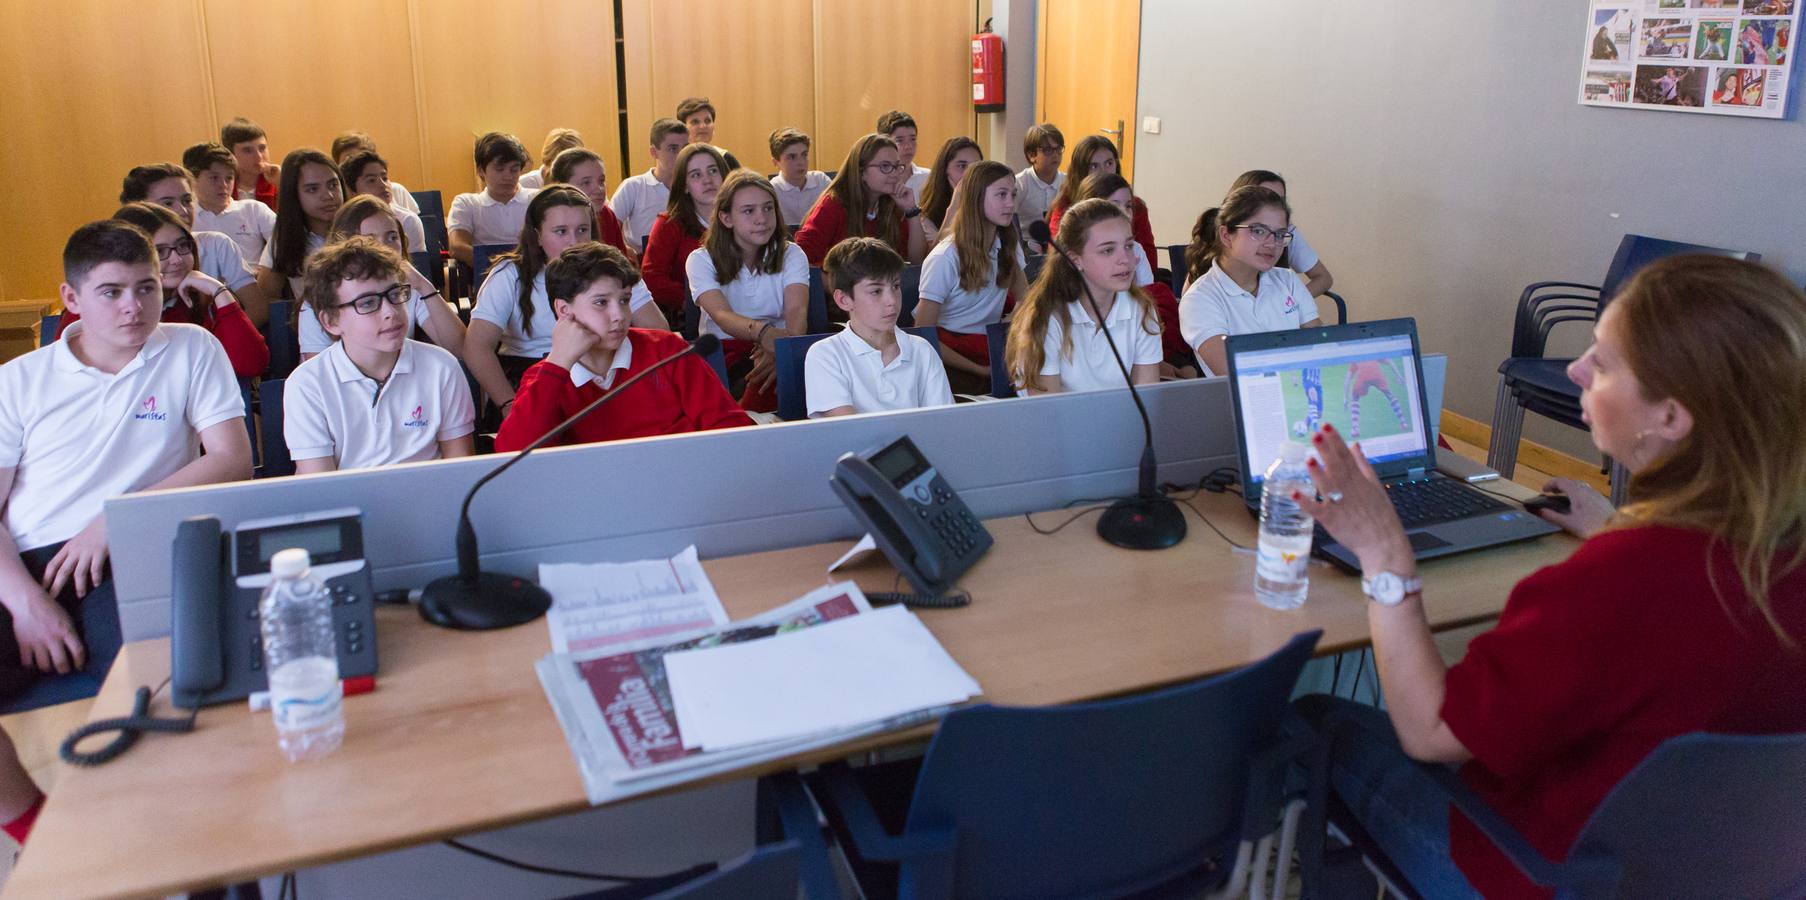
column 1388, row 589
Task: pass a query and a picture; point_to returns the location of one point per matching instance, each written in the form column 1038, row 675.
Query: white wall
column 1438, row 161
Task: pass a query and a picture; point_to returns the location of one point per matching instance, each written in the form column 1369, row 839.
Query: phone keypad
column 952, row 522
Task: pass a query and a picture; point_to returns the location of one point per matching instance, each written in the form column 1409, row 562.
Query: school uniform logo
column 416, row 419
column 1291, row 304
column 147, row 411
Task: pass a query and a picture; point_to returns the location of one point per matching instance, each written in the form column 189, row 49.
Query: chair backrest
column 1706, row 815
column 996, row 335
column 774, row 870
column 481, row 256
column 432, row 221
column 276, row 460
column 47, row 329
column 790, row 357
column 247, row 395
column 1031, row 266
column 912, row 292
column 431, row 265
column 1175, row 263
column 1104, row 797
column 1341, row 307
column 284, row 343
column 717, row 360
column 1637, row 251
column 818, row 301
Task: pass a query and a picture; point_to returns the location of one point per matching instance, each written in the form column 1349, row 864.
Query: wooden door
column 1090, row 59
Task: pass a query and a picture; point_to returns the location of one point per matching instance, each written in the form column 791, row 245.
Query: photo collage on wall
column 1729, row 57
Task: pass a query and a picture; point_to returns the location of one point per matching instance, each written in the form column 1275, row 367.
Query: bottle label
column 306, row 694
column 1284, row 558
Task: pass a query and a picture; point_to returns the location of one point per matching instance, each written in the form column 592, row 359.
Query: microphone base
column 492, row 600
column 1143, row 523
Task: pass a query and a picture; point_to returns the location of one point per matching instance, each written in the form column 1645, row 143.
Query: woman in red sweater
column 874, row 180
column 582, row 169
column 1093, row 155
column 678, row 230
column 1684, row 611
column 190, row 295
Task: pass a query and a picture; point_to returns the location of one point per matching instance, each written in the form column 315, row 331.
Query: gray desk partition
column 728, row 492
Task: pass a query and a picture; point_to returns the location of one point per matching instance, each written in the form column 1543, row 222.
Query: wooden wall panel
column 1090, row 54
column 523, row 69
column 754, row 60
column 86, row 95
column 875, row 55
column 309, row 92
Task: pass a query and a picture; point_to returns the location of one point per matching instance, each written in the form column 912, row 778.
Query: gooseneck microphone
column 475, row 600
column 1149, row 520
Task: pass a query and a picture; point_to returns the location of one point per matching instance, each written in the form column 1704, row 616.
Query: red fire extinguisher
column 987, row 70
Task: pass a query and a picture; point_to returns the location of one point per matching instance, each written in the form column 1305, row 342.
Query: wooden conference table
column 458, row 738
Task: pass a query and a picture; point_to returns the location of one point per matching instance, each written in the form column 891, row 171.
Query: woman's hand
column 1588, row 510
column 1354, row 508
column 200, row 289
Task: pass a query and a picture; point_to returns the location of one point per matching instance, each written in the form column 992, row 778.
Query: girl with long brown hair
column 861, row 201
column 751, row 284
column 957, row 155
column 1098, row 154
column 677, row 231
column 968, row 278
column 1684, row 611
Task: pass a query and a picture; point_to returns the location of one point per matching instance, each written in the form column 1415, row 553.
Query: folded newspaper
column 616, row 708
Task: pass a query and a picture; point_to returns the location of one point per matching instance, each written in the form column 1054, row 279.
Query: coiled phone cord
column 130, row 728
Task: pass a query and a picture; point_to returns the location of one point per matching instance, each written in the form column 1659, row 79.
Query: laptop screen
column 1366, row 387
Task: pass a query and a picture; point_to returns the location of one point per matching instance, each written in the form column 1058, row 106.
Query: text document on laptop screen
column 1366, row 388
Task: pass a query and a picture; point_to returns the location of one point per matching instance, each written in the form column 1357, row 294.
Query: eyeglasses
column 1263, row 234
column 366, row 304
column 184, row 246
column 889, row 168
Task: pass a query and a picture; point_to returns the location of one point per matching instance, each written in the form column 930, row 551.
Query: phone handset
column 198, row 598
column 916, row 546
column 913, row 515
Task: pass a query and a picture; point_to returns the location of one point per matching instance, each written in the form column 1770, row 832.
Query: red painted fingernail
column 1331, row 429
column 1310, row 463
column 1297, row 496
column 1318, row 439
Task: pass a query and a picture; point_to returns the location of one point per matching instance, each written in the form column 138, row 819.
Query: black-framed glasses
column 889, row 168
column 1263, row 233
column 365, row 304
column 184, row 246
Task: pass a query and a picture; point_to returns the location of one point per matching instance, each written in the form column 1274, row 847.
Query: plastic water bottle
column 1281, row 574
column 302, row 659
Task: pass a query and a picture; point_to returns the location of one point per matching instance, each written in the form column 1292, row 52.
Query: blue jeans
column 1401, row 809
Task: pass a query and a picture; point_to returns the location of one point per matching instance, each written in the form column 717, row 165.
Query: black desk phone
column 913, row 515
column 216, row 645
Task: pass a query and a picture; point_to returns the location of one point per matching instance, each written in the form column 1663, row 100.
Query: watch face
column 1387, row 588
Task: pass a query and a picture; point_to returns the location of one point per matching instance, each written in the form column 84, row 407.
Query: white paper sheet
column 597, row 605
column 835, row 676
column 865, row 545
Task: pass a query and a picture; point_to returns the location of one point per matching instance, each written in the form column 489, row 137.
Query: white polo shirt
column 1215, row 305
column 918, row 179
column 755, row 295
column 218, row 256
column 581, row 375
column 76, row 436
column 401, row 199
column 531, row 180
column 247, row 222
column 1034, row 197
column 967, row 312
column 498, row 303
column 330, row 408
column 489, row 221
column 413, row 229
column 1303, row 258
column 1091, row 366
column 268, row 261
column 844, row 370
column 313, row 337
column 795, row 202
column 637, row 202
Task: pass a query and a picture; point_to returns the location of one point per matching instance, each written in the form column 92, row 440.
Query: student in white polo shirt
column 798, row 185
column 122, row 403
column 374, row 398
column 1055, row 343
column 349, row 141
column 248, row 223
column 1244, row 291
column 967, row 277
column 168, row 185
column 641, row 198
column 308, row 197
column 900, row 127
column 1040, row 181
column 872, row 365
column 1299, row 256
column 367, row 174
column 750, row 283
column 371, row 217
column 494, row 214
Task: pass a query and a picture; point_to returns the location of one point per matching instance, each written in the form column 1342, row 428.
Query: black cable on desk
column 695, row 871
column 130, row 728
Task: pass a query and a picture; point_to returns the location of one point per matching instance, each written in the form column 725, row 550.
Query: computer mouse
column 1554, row 502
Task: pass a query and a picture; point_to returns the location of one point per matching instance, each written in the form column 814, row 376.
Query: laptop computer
column 1365, row 379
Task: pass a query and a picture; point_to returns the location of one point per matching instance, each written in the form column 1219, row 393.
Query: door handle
column 1117, row 131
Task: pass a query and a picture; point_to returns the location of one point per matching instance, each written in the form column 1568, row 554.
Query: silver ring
column 1333, row 496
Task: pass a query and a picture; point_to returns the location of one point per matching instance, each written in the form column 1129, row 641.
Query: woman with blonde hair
column 969, row 277
column 1684, row 611
column 558, row 140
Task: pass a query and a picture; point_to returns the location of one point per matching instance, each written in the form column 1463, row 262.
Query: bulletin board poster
column 1728, row 57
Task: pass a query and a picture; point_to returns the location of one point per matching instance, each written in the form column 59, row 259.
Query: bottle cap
column 1294, row 451
column 290, row 563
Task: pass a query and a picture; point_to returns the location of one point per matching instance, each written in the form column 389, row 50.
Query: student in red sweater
column 678, row 230
column 1684, row 611
column 593, row 350
column 870, row 181
column 250, row 147
column 190, row 295
column 582, row 169
column 1099, row 154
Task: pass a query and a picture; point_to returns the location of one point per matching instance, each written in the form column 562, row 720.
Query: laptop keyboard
column 1429, row 501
